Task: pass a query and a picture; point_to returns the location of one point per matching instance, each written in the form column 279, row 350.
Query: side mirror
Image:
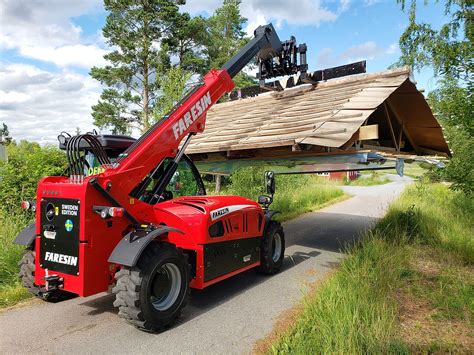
column 270, row 182
column 264, row 200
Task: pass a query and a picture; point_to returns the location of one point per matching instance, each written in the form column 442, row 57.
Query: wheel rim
column 165, row 287
column 276, row 247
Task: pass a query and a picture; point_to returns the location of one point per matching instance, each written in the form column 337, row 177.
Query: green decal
column 68, row 225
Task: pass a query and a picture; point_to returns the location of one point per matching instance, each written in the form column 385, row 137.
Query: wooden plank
column 368, row 132
column 321, row 133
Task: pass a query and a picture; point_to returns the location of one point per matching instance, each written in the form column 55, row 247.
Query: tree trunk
column 146, row 122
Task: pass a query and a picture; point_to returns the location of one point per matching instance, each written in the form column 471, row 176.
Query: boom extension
column 274, row 58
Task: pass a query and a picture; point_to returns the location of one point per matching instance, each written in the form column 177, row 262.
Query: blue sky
column 48, row 46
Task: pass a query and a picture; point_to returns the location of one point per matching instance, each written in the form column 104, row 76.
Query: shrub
column 27, row 164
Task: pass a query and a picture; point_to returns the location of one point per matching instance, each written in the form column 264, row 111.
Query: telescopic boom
column 274, row 58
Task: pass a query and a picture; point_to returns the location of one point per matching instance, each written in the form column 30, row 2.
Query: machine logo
column 226, row 210
column 60, row 258
column 69, row 225
column 192, row 115
column 219, row 213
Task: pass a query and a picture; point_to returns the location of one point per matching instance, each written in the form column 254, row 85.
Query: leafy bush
column 19, row 176
column 27, row 164
column 460, row 168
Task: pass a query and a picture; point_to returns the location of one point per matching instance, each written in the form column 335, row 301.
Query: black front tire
column 27, row 278
column 272, row 249
column 152, row 294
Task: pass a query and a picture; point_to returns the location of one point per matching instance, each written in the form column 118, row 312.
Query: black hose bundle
column 73, row 152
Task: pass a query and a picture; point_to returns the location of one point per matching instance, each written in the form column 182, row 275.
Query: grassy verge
column 406, row 287
column 370, row 179
column 416, row 170
column 309, row 198
column 11, row 291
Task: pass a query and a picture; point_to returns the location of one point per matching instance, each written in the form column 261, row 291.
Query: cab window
column 183, row 182
column 186, row 181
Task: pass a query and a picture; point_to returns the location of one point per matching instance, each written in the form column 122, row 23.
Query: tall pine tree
column 134, row 29
column 157, row 51
column 226, row 37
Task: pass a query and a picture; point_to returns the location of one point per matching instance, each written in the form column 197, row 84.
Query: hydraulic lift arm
column 162, row 140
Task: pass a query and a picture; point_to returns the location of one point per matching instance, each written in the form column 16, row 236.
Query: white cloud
column 364, row 51
column 37, row 105
column 367, row 50
column 42, row 30
column 77, row 55
column 280, row 12
column 344, row 5
column 392, row 49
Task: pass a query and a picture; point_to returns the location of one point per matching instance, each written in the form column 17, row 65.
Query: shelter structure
column 379, row 112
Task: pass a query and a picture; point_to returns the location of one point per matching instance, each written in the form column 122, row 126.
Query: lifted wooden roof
column 379, row 111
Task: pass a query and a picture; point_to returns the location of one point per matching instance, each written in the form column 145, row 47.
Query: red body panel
column 185, row 214
column 96, row 239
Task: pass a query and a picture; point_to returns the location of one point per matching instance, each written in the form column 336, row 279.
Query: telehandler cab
column 134, row 215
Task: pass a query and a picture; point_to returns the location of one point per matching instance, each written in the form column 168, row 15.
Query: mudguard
column 268, row 217
column 269, row 214
column 128, row 250
column 27, row 236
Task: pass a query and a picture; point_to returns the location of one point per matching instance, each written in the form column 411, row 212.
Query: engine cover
column 224, row 232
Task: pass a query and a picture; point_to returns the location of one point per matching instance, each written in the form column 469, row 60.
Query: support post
column 218, row 183
column 389, row 121
column 405, row 131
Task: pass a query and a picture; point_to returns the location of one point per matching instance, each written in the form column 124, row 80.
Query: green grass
column 371, row 179
column 448, row 284
column 292, row 203
column 433, row 214
column 421, row 253
column 415, row 170
column 346, row 314
column 11, row 291
column 12, row 294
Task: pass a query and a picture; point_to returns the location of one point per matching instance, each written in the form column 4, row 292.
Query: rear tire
column 27, row 278
column 272, row 249
column 152, row 294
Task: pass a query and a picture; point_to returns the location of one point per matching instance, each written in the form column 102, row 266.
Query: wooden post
column 389, row 121
column 218, row 183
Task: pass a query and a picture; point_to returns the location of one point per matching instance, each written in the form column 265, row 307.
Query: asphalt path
column 228, row 317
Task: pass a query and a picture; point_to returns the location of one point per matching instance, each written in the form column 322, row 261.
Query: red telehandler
column 133, row 214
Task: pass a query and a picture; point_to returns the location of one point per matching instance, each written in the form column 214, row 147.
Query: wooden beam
column 389, row 121
column 400, row 136
column 405, row 131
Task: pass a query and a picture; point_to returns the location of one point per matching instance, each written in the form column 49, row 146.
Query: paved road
column 228, row 317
